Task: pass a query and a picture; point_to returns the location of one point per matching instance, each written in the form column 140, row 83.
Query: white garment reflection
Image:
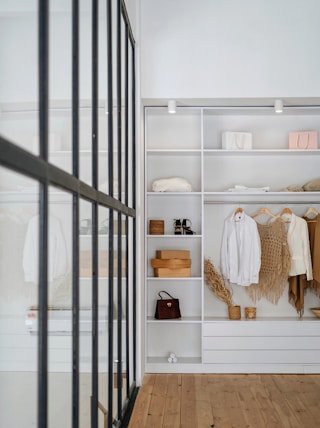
column 57, row 257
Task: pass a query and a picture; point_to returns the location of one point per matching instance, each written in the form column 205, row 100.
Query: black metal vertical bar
column 75, row 88
column 119, row 264
column 75, row 215
column 43, row 40
column 75, row 312
column 95, row 388
column 43, row 304
column 111, row 226
column 95, row 267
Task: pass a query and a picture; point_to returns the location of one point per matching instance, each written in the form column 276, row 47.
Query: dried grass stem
column 216, row 283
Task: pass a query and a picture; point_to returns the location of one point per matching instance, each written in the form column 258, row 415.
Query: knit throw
column 275, row 263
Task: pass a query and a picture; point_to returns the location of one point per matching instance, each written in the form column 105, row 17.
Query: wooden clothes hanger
column 264, row 210
column 311, row 210
column 238, row 211
column 286, row 215
column 286, row 211
column 238, row 214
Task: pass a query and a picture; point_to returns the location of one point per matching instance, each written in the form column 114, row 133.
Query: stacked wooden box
column 172, row 264
column 86, row 264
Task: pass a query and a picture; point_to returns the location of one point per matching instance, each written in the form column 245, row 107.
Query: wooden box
column 172, row 273
column 173, row 254
column 171, row 263
column 86, row 265
column 156, row 227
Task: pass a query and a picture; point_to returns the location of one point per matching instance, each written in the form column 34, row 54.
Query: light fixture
column 171, row 106
column 278, row 106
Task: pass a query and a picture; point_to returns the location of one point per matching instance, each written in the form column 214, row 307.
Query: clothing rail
column 258, row 202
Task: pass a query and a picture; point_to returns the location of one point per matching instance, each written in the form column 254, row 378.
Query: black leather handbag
column 167, row 308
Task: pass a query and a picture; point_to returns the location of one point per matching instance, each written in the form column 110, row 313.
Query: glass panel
column 117, row 358
column 85, row 89
column 19, row 204
column 59, row 308
column 103, row 296
column 85, row 292
column 103, row 115
column 131, row 152
column 130, row 332
column 123, row 285
column 60, row 74
column 19, row 75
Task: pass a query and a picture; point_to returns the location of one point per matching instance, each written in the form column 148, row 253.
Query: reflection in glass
column 85, row 299
column 103, row 298
column 19, row 74
column 59, row 308
column 19, row 205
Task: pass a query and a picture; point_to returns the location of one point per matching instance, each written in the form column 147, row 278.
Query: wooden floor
column 227, row 401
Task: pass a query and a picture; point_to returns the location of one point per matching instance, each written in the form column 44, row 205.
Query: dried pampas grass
column 216, row 283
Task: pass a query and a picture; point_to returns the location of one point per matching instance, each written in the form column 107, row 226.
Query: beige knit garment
column 275, row 262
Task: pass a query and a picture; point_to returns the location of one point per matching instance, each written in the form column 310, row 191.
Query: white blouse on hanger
column 240, row 250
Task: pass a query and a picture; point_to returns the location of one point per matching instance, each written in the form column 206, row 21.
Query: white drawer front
column 256, row 343
column 261, row 357
column 262, row 328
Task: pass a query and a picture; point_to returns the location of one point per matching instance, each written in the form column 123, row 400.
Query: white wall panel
column 229, row 48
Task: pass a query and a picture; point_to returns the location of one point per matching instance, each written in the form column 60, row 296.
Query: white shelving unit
column 188, row 144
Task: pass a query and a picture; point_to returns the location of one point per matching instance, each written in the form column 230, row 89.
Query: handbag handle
column 297, row 143
column 159, row 294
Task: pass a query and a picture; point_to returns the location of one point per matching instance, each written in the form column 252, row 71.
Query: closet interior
column 265, row 183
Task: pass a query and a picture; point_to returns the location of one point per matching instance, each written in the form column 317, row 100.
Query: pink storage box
column 307, row 140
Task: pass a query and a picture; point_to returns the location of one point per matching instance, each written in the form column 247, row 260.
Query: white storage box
column 236, row 140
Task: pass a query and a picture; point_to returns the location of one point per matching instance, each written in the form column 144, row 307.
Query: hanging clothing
column 240, row 250
column 314, row 240
column 297, row 291
column 301, row 264
column 57, row 254
column 299, row 246
column 275, row 262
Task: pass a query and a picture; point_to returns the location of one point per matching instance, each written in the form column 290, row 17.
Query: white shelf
column 189, row 278
column 177, row 151
column 181, row 360
column 261, row 152
column 174, row 236
column 263, row 319
column 173, row 193
column 262, row 197
column 182, row 320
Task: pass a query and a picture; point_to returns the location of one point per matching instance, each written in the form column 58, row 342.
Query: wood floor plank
column 141, row 407
column 157, row 403
column 250, row 406
column 227, row 401
column 188, row 402
column 280, row 389
column 203, row 404
column 172, row 411
column 302, row 412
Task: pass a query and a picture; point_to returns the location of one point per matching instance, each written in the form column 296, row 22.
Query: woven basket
column 250, row 313
column 234, row 312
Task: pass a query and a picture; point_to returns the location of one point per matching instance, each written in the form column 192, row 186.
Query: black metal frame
column 38, row 168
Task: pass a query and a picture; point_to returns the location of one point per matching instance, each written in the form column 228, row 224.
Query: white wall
column 230, row 48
